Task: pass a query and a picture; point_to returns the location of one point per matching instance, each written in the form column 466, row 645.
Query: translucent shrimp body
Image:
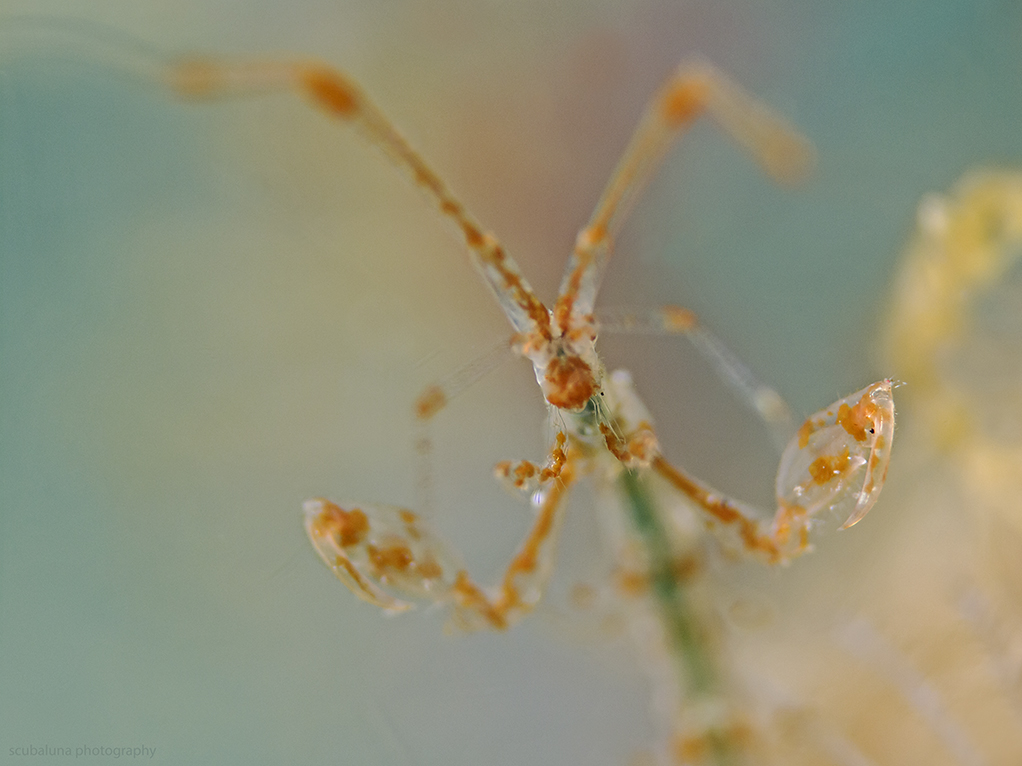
column 834, row 464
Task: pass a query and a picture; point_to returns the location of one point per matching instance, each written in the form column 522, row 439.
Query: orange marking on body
column 525, row 561
column 330, row 91
column 425, row 177
column 496, row 253
column 678, row 319
column 643, row 444
column 858, row 420
column 430, row 402
column 792, row 517
column 523, row 472
column 451, row 208
column 564, row 305
column 532, row 306
column 592, row 237
column 429, row 569
column 573, row 382
column 492, row 254
column 806, row 430
column 613, row 443
column 584, row 331
column 827, row 467
column 787, row 518
column 585, row 245
column 719, row 510
column 469, row 596
column 473, row 236
column 354, row 528
column 349, row 527
column 411, row 527
column 557, row 458
column 686, row 100
column 396, row 557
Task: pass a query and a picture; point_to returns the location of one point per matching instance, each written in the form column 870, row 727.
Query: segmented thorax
column 567, row 367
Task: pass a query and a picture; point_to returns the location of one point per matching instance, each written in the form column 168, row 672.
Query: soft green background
column 208, row 314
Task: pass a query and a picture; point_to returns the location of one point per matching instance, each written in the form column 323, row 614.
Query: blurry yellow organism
column 956, row 339
column 948, row 635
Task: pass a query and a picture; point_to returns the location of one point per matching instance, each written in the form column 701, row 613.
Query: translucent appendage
column 381, row 552
column 838, row 459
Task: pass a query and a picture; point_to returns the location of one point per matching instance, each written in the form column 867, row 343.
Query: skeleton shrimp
column 835, row 463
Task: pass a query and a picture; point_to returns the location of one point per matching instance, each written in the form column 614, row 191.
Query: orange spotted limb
column 526, row 476
column 341, row 98
column 390, row 557
column 694, row 90
column 836, row 463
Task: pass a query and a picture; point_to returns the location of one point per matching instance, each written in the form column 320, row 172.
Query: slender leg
column 692, row 91
column 670, row 320
column 435, row 398
column 525, row 578
column 837, row 463
column 342, row 99
column 385, row 554
column 774, row 544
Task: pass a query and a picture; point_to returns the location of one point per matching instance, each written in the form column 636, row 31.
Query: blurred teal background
column 210, row 313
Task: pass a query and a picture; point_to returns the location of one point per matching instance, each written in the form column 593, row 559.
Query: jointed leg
column 433, row 399
column 525, row 578
column 342, row 99
column 526, row 476
column 837, row 462
column 384, row 554
column 692, row 91
column 785, row 538
column 671, row 320
column 638, row 446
